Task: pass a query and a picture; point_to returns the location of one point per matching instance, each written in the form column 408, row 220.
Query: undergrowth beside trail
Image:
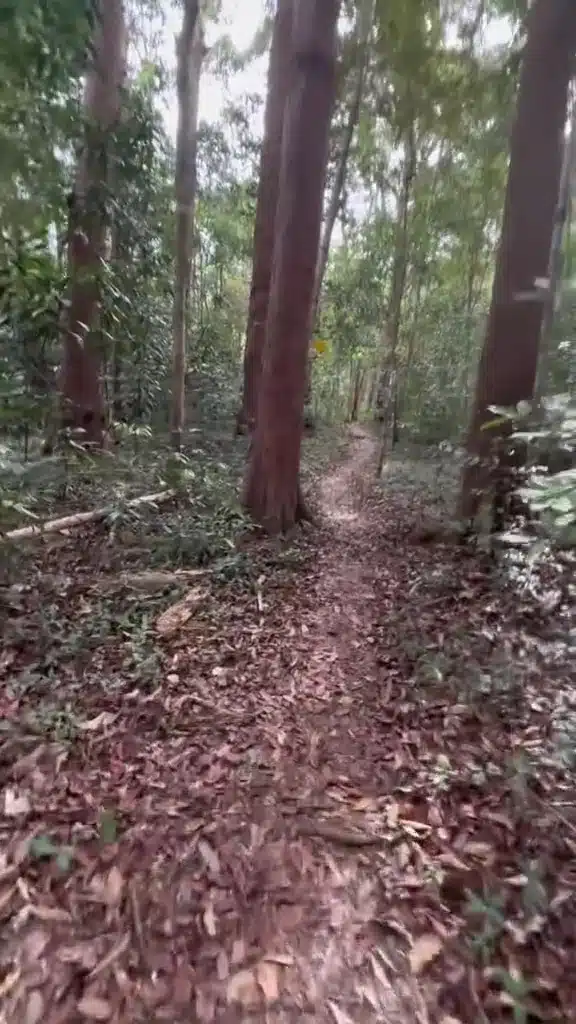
column 273, row 778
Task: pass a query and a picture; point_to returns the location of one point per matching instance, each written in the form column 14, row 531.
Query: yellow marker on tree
column 320, row 346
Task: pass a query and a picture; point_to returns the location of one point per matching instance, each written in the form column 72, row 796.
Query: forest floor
column 333, row 784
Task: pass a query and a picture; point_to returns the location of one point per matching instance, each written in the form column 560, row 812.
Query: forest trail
column 286, row 823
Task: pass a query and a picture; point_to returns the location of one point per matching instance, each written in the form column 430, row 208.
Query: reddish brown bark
column 357, row 382
column 190, row 54
column 266, row 204
column 272, row 494
column 509, row 359
column 83, row 402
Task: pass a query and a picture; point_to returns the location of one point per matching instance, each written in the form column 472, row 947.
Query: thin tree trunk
column 266, row 205
column 83, row 403
column 509, row 358
column 365, row 19
column 386, row 400
column 556, row 261
column 190, row 53
column 357, row 385
column 272, row 494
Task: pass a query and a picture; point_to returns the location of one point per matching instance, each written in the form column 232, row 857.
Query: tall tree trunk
column 83, row 403
column 555, row 263
column 190, row 53
column 266, row 204
column 509, row 359
column 272, row 494
column 364, row 25
column 386, row 397
column 357, row 383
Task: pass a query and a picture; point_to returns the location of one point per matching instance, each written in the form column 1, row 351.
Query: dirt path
column 286, row 827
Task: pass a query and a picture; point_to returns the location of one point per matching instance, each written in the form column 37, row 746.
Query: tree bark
column 266, row 205
column 190, row 53
column 509, row 359
column 555, row 263
column 386, row 396
column 272, row 493
column 357, row 384
column 83, row 406
column 365, row 18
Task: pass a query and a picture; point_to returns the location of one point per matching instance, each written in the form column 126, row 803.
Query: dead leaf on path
column 113, row 887
column 267, row 977
column 238, row 951
column 222, row 966
column 49, row 913
column 243, row 988
column 392, row 814
column 366, row 803
column 284, row 959
column 176, row 616
column 101, row 721
column 95, row 1008
column 210, row 921
column 34, row 1008
column 9, row 982
column 424, row 951
column 15, row 804
column 34, row 944
column 112, row 955
column 339, row 1016
column 209, row 856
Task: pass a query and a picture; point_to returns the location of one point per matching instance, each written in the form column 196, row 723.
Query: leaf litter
column 335, row 787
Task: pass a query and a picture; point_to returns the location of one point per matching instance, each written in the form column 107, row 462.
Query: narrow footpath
column 293, row 825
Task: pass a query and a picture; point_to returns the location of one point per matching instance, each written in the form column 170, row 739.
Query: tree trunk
column 365, row 18
column 272, row 494
column 509, row 358
column 83, row 403
column 555, row 263
column 357, row 382
column 386, row 396
column 266, row 204
column 190, row 53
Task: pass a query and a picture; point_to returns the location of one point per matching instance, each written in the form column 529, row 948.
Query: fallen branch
column 80, row 518
column 346, row 837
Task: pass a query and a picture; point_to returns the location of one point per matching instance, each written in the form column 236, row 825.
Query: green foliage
column 550, row 491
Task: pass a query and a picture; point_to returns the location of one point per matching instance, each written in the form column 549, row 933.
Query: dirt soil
column 339, row 797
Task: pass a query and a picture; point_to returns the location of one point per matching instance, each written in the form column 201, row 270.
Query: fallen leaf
column 267, row 977
column 222, row 966
column 34, row 1008
column 238, row 951
column 392, row 813
column 366, row 803
column 210, row 921
column 339, row 1016
column 113, row 887
column 34, row 944
column 284, row 959
column 99, row 722
column 95, row 1008
column 425, row 949
column 171, row 619
column 15, row 804
column 49, row 913
column 209, row 856
column 9, row 981
column 243, row 988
